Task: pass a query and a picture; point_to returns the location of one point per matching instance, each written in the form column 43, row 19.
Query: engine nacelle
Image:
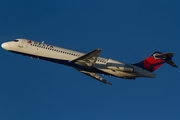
column 123, row 69
column 118, row 66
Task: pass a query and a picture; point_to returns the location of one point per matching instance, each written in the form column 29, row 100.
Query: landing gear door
column 21, row 42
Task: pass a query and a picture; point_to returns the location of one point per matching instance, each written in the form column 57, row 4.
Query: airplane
column 90, row 63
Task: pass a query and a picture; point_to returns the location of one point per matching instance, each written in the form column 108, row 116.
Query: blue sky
column 126, row 30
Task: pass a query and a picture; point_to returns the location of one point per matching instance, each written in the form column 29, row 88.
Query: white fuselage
column 65, row 56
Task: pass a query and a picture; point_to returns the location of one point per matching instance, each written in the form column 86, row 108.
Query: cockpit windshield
column 16, row 40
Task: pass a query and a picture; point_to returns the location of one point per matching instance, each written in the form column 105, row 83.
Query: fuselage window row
column 55, row 50
column 102, row 61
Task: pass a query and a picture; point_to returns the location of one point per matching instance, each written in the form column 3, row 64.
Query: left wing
column 88, row 59
column 94, row 75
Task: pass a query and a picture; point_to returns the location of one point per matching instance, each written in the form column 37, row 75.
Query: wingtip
column 109, row 83
column 106, row 82
column 98, row 49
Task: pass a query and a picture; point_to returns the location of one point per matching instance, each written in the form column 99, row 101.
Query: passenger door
column 21, row 42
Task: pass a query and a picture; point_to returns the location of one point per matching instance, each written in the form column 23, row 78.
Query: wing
column 88, row 59
column 95, row 76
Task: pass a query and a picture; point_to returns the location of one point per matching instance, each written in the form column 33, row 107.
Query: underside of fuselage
column 64, row 62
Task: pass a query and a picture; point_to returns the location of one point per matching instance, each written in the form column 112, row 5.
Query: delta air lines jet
column 89, row 63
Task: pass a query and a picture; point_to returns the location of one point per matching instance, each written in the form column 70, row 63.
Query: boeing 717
column 90, row 63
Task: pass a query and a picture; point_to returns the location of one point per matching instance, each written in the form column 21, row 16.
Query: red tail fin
column 155, row 61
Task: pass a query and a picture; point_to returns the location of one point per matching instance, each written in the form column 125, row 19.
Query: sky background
column 125, row 30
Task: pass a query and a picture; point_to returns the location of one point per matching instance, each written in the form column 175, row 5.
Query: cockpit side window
column 16, row 40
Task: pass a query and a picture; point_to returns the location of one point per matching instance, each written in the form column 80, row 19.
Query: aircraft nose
column 5, row 46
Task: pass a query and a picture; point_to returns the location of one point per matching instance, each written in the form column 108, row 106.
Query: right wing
column 95, row 76
column 88, row 59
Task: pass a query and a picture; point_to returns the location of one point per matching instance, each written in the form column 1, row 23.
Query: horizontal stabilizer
column 170, row 62
column 88, row 59
column 165, row 55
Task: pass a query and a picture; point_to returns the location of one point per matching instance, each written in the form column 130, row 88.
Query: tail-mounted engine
column 118, row 66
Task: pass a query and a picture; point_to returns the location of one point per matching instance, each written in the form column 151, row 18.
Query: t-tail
column 156, row 60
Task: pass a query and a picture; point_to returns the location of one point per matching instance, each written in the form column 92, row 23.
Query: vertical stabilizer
column 156, row 60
